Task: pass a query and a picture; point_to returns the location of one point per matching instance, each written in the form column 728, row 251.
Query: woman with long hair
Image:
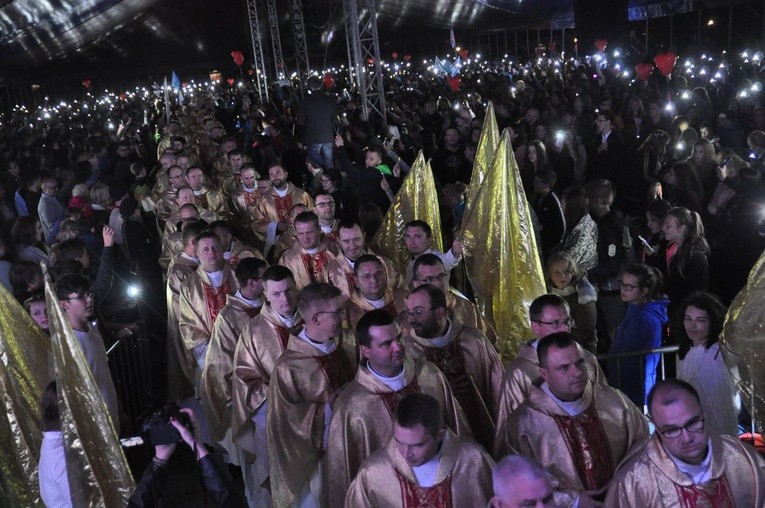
column 655, row 214
column 684, row 187
column 536, row 159
column 703, row 160
column 641, row 328
column 698, row 323
column 27, row 240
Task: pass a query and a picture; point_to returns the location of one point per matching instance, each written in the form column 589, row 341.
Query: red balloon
column 230, row 81
column 86, row 83
column 329, row 81
column 238, row 57
column 407, row 58
column 665, row 62
column 463, row 53
column 601, row 44
column 395, row 55
column 455, row 83
column 643, row 70
column 250, row 71
column 370, row 60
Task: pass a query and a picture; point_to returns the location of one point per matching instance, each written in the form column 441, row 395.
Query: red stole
column 337, row 371
column 391, row 399
column 284, row 335
column 201, row 200
column 315, row 265
column 587, row 444
column 451, row 361
column 351, row 282
column 712, row 494
column 252, row 311
column 215, row 299
column 233, row 261
column 282, row 206
column 249, row 198
column 414, row 496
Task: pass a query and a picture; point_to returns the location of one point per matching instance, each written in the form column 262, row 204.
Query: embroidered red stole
column 588, row 446
column 201, row 201
column 249, row 198
column 282, row 206
column 332, row 235
column 315, row 265
column 215, row 299
column 414, row 496
column 284, row 335
column 336, row 368
column 712, row 494
column 391, row 399
column 451, row 361
column 252, row 311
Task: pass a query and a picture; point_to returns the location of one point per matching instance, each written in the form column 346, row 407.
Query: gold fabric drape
column 416, row 199
column 24, row 373
column 501, row 251
column 743, row 341
column 484, row 155
column 96, row 467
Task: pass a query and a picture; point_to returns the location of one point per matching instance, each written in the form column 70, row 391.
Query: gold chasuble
column 474, row 370
column 357, row 305
column 469, row 314
column 180, row 362
column 239, row 251
column 521, row 375
column 581, row 451
column 386, row 480
column 309, row 267
column 274, row 208
column 650, row 478
column 362, row 419
column 302, row 381
column 201, row 303
column 219, row 363
column 341, row 273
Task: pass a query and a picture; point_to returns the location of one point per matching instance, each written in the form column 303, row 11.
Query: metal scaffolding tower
column 276, row 41
column 361, row 23
column 301, row 48
column 257, row 50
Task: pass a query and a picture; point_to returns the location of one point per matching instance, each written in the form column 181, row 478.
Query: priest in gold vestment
column 305, row 382
column 205, row 197
column 684, row 464
column 548, row 314
column 272, row 210
column 309, row 258
column 362, row 416
column 423, row 464
column 464, row 354
column 260, row 345
column 577, row 429
column 372, row 291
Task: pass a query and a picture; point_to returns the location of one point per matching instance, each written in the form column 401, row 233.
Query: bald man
column 522, row 482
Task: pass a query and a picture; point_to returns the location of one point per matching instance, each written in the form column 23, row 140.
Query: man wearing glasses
column 548, row 314
column 372, row 292
column 463, row 353
column 683, row 464
column 324, row 204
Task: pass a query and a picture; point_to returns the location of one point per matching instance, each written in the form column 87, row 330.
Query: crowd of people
column 330, row 376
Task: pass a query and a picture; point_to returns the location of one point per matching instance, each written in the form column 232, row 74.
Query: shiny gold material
column 415, row 200
column 484, row 155
column 97, row 469
column 24, row 355
column 501, row 251
column 743, row 338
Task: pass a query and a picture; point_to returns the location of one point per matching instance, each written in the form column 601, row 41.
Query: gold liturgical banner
column 501, row 251
column 743, row 341
column 484, row 155
column 97, row 470
column 24, row 373
column 416, row 199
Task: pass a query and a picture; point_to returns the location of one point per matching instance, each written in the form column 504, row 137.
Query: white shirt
column 216, row 278
column 327, row 229
column 377, row 304
column 54, row 484
column 395, row 383
column 95, row 354
column 444, row 339
column 190, row 258
column 325, row 348
column 698, row 473
column 288, row 321
column 426, row 473
column 281, row 193
column 252, row 303
column 572, row 408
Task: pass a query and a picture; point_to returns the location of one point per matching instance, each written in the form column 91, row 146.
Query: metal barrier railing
column 131, row 368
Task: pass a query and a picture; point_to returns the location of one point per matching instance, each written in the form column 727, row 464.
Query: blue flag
column 175, row 82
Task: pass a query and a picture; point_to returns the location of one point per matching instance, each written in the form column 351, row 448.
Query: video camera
column 158, row 429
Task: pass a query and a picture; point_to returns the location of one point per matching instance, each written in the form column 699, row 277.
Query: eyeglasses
column 629, row 287
column 557, row 323
column 372, row 276
column 436, row 278
column 419, row 312
column 86, row 296
column 325, row 204
column 694, row 426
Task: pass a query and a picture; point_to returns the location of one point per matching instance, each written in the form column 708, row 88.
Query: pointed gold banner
column 743, row 341
column 416, row 199
column 501, row 251
column 484, row 155
column 97, row 469
column 24, row 373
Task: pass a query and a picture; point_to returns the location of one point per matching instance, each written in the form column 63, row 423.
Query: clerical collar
column 328, row 229
column 190, row 258
column 290, row 321
column 281, row 193
column 395, row 383
column 249, row 190
column 229, row 253
column 313, row 251
column 325, row 348
column 351, row 262
column 444, row 339
column 426, row 473
column 216, row 278
column 377, row 304
column 258, row 302
column 535, row 344
column 698, row 473
column 199, row 192
column 572, row 408
column 604, row 136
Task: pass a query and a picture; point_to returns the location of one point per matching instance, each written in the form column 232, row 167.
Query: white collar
column 216, row 278
column 698, row 473
column 325, row 348
column 199, row 192
column 315, row 250
column 395, row 383
column 328, row 229
column 572, row 408
column 377, row 304
column 350, row 261
column 281, row 193
column 190, row 258
column 289, row 321
column 426, row 473
column 444, row 339
column 251, row 303
column 248, row 190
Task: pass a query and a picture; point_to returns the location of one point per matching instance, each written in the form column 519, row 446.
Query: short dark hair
column 68, row 250
column 560, row 340
column 667, row 400
column 71, row 283
column 547, row 177
column 191, row 230
column 436, row 296
column 247, row 269
column 207, row 235
column 422, row 409
column 607, row 114
column 377, row 317
column 307, row 218
column 420, row 224
column 315, row 293
column 277, row 273
column 348, row 224
column 427, row 259
column 540, row 303
column 366, row 258
column 61, row 268
column 221, row 224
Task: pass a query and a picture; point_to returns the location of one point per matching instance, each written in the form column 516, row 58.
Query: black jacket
column 315, row 115
column 367, row 181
